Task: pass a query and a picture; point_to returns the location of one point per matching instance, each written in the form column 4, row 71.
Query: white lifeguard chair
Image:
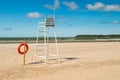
column 42, row 48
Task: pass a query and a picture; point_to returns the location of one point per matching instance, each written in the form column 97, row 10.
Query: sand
column 79, row 61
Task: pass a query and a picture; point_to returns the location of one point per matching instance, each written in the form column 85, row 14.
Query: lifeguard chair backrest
column 49, row 22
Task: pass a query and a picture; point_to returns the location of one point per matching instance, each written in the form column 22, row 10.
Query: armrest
column 41, row 22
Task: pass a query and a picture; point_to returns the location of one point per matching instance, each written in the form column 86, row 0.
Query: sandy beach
column 79, row 61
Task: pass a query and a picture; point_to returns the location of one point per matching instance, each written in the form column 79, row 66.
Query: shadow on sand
column 62, row 60
column 68, row 59
column 36, row 62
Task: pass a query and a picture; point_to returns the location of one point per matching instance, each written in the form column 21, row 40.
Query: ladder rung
column 41, row 26
column 52, row 55
column 41, row 22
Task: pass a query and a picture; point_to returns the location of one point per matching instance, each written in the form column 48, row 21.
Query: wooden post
column 24, row 53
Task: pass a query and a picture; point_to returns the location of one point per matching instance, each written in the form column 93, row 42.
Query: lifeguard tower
column 42, row 48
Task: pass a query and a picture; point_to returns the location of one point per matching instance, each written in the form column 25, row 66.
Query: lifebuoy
column 19, row 48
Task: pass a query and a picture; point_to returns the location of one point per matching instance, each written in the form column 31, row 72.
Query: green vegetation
column 85, row 37
column 78, row 38
column 33, row 39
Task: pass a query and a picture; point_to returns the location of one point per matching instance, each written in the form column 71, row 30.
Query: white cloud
column 103, row 7
column 34, row 15
column 112, row 8
column 96, row 6
column 52, row 7
column 71, row 5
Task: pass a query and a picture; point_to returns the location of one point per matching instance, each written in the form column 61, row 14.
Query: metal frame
column 45, row 52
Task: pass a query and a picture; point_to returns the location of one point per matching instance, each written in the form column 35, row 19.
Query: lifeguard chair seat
column 49, row 22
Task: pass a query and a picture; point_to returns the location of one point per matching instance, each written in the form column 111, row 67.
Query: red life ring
column 26, row 48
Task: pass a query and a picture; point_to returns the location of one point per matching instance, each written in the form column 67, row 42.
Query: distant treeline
column 80, row 37
column 33, row 39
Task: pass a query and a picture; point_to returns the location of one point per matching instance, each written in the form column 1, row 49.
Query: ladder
column 42, row 48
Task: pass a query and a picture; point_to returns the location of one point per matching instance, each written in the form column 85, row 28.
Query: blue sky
column 19, row 18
